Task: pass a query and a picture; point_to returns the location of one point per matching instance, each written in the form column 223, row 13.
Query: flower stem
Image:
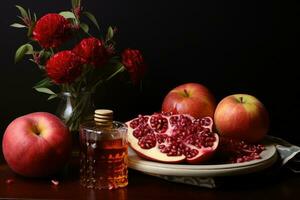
column 115, row 73
column 108, row 78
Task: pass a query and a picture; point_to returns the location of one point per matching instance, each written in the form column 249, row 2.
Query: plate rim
column 141, row 164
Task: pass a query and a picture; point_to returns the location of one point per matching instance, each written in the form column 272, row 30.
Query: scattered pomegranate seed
column 237, row 151
column 10, row 180
column 55, row 182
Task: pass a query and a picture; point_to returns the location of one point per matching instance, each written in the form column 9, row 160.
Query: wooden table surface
column 269, row 184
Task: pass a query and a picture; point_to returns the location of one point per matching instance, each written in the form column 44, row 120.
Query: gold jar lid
column 103, row 117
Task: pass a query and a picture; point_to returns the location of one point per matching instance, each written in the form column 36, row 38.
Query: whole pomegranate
column 172, row 138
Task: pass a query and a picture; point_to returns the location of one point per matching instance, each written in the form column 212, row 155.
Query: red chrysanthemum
column 52, row 30
column 64, row 67
column 93, row 51
column 133, row 61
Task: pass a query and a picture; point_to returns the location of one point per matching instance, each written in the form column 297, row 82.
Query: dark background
column 229, row 46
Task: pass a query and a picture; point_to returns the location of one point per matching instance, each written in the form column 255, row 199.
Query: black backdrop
column 229, row 46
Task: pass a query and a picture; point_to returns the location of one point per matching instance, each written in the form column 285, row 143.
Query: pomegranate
column 238, row 151
column 172, row 138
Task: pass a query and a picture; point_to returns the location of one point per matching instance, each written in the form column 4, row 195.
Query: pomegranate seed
column 239, row 151
column 9, row 181
column 165, row 150
column 183, row 136
column 55, row 182
column 179, row 153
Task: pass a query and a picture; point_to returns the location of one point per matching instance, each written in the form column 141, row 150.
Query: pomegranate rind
column 152, row 154
column 206, row 153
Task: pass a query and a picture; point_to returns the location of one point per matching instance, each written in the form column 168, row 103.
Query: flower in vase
column 76, row 70
column 64, row 67
column 93, row 51
column 52, row 30
column 133, row 61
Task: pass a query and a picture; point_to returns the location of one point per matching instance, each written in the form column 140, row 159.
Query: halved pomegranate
column 171, row 138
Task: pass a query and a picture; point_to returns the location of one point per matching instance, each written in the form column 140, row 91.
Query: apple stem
column 186, row 93
column 241, row 99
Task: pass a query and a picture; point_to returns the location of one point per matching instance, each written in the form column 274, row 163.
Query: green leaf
column 46, row 82
column 21, row 51
column 110, row 33
column 34, row 17
column 17, row 25
column 30, row 30
column 29, row 14
column 92, row 18
column 22, row 11
column 52, row 96
column 44, row 90
column 75, row 3
column 84, row 27
column 67, row 15
column 30, row 50
column 42, row 67
column 45, row 54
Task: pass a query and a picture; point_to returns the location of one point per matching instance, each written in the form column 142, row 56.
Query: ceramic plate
column 269, row 157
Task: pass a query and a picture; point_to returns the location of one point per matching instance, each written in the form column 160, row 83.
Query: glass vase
column 74, row 108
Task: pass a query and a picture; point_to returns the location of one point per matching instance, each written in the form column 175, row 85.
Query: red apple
column 243, row 117
column 37, row 144
column 190, row 98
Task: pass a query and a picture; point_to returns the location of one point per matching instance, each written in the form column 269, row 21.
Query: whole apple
column 36, row 144
column 190, row 98
column 243, row 117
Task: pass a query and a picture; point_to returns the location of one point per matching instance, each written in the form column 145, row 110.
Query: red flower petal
column 64, row 67
column 133, row 61
column 51, row 30
column 93, row 51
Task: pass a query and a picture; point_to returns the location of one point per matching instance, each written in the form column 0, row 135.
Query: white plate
column 269, row 157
